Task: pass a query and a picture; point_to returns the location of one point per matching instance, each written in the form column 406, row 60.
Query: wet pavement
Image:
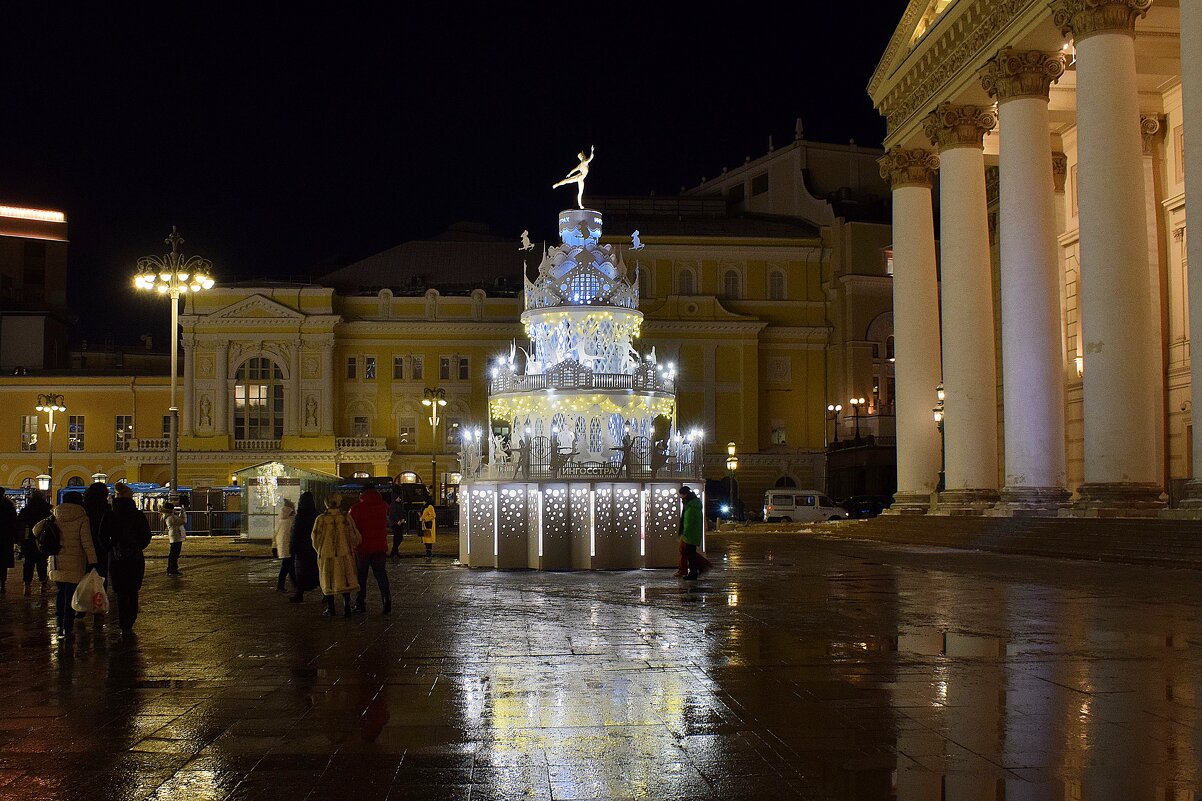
column 799, row 668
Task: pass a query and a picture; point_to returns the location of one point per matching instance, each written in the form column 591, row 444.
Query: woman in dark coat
column 36, row 510
column 304, row 555
column 127, row 531
column 96, row 504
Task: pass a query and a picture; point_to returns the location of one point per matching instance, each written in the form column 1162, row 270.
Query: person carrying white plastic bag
column 90, row 595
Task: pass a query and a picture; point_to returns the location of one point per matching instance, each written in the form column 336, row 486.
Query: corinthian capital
column 951, row 125
column 1084, row 18
column 909, row 167
column 1012, row 74
column 1151, row 126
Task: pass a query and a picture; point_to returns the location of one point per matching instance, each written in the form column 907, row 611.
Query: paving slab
column 800, row 667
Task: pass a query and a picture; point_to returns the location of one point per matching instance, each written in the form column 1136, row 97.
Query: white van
column 800, row 506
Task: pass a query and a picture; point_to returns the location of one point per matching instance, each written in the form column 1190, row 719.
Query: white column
column 187, row 408
column 1151, row 130
column 966, row 291
column 292, row 420
column 1121, row 362
column 327, row 391
column 221, row 390
column 915, row 326
column 1032, row 344
column 1191, row 100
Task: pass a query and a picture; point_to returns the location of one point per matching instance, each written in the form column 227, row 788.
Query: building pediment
column 917, row 19
column 254, row 308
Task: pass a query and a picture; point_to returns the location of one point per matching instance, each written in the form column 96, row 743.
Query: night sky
column 285, row 139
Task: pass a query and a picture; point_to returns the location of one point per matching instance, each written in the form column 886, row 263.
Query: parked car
column 861, row 506
column 800, row 506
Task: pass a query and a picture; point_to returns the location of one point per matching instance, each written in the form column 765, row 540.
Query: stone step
column 1176, row 543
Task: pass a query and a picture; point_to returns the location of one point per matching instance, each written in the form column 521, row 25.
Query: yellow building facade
column 767, row 314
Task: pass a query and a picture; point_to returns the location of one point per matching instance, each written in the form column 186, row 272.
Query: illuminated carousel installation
column 588, row 475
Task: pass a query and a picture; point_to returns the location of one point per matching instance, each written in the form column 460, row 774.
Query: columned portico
column 1032, row 355
column 915, row 326
column 1191, row 97
column 1121, row 362
column 966, row 291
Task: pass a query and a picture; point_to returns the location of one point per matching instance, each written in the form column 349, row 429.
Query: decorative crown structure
column 580, row 271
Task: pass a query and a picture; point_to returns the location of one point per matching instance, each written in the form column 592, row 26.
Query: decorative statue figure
column 526, row 243
column 311, row 412
column 625, row 449
column 206, row 411
column 577, row 175
column 659, row 457
column 522, row 449
column 635, row 242
column 561, row 454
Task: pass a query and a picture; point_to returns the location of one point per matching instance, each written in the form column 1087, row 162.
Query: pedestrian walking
column 36, row 510
column 283, row 544
column 96, row 504
column 126, row 529
column 177, row 532
column 370, row 516
column 429, row 528
column 398, row 521
column 335, row 539
column 304, row 557
column 76, row 556
column 9, row 536
column 690, row 533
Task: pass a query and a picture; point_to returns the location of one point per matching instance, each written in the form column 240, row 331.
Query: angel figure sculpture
column 526, row 243
column 577, row 175
column 635, row 242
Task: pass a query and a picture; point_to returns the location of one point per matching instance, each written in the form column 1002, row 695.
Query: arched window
column 75, row 481
column 258, row 400
column 731, row 284
column 684, row 283
column 776, row 285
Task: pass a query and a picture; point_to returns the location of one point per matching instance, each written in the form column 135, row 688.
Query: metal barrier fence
column 201, row 524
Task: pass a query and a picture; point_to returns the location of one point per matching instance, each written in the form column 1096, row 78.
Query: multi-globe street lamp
column 50, row 402
column 434, row 399
column 832, row 413
column 173, row 275
column 856, row 405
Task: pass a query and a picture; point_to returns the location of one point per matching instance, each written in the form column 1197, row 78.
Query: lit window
column 398, row 368
column 29, row 432
column 369, row 367
column 889, row 261
column 75, row 432
column 776, row 285
column 123, row 432
column 406, row 434
column 258, row 401
column 361, row 426
column 352, row 367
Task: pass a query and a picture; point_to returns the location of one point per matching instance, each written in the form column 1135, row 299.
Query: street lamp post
column 732, row 464
column 832, row 413
column 174, row 275
column 939, row 414
column 434, row 399
column 856, row 405
column 50, row 402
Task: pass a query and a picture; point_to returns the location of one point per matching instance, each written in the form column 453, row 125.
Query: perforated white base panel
column 570, row 525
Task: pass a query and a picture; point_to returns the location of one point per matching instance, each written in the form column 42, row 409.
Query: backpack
column 50, row 538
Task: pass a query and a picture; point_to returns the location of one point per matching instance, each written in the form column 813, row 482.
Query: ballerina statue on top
column 577, row 175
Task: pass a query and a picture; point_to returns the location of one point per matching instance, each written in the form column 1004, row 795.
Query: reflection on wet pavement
column 797, row 669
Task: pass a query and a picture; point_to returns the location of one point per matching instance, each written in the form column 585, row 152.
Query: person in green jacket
column 691, row 515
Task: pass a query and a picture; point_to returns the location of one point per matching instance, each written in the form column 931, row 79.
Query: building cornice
column 661, row 327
